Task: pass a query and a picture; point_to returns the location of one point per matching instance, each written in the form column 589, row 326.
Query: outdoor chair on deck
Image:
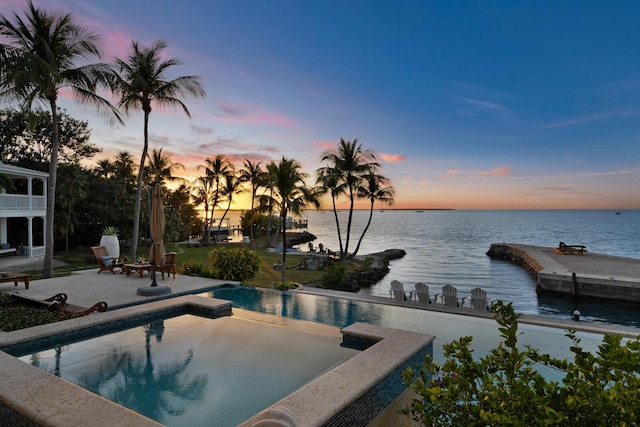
column 169, row 265
column 422, row 294
column 398, row 293
column 311, row 248
column 479, row 300
column 106, row 262
column 450, row 297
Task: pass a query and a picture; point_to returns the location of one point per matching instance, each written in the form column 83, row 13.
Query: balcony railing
column 21, row 202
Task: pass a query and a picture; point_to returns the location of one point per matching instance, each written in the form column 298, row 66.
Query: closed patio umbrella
column 156, row 225
column 156, row 254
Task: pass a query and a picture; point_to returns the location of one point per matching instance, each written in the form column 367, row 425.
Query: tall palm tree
column 350, row 161
column 44, row 53
column 161, row 168
column 215, row 170
column 290, row 194
column 328, row 180
column 202, row 197
column 231, row 186
column 375, row 188
column 255, row 176
column 142, row 83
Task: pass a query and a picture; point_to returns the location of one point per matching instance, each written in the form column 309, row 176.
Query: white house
column 23, row 213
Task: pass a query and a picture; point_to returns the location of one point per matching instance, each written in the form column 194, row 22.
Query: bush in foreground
column 239, row 264
column 503, row 388
column 14, row 315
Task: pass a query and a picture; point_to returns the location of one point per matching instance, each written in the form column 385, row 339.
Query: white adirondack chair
column 450, row 297
column 422, row 294
column 398, row 293
column 479, row 300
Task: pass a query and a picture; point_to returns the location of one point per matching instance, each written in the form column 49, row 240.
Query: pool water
column 194, row 371
column 446, row 327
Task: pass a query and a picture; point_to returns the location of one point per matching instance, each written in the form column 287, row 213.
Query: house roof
column 16, row 170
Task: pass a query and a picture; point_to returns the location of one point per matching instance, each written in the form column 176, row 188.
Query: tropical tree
column 328, row 180
column 350, row 161
column 215, row 170
column 43, row 53
column 71, row 190
column 290, row 194
column 376, row 188
column 143, row 82
column 161, row 168
column 252, row 174
column 230, row 188
column 6, row 183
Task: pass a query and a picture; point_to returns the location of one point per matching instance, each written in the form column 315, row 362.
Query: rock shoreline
column 378, row 269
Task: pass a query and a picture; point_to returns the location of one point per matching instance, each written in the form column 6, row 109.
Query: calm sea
column 448, row 247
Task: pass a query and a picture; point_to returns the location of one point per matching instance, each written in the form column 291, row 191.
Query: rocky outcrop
column 376, row 267
column 299, row 238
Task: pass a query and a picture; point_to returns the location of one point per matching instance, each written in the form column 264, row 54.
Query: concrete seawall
column 592, row 276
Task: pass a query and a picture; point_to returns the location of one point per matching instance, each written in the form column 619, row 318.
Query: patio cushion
column 106, row 260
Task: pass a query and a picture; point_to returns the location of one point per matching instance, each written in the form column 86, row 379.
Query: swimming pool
column 445, row 327
column 195, row 371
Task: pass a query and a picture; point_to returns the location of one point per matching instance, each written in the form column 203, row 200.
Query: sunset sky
column 468, row 104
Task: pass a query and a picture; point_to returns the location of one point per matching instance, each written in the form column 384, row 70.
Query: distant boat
column 419, row 211
column 618, row 213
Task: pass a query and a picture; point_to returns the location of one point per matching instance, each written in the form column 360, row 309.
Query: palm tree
column 202, row 196
column 161, row 167
column 230, row 187
column 374, row 187
column 290, row 194
column 350, row 162
column 143, row 82
column 255, row 176
column 215, row 170
column 44, row 53
column 328, row 180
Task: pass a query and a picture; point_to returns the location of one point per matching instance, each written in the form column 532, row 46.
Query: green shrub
column 333, row 276
column 191, row 268
column 503, row 387
column 286, row 286
column 239, row 264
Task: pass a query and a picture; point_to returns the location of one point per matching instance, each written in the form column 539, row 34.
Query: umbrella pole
column 153, row 289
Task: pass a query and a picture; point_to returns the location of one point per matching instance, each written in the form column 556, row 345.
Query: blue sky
column 469, row 105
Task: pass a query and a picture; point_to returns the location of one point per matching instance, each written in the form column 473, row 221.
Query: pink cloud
column 451, row 173
column 326, row 144
column 392, row 158
column 252, row 115
column 503, row 171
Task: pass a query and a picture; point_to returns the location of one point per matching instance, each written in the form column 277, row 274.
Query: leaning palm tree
column 375, row 188
column 350, row 161
column 231, row 187
column 328, row 180
column 290, row 194
column 161, row 168
column 253, row 174
column 215, row 170
column 142, row 83
column 44, row 53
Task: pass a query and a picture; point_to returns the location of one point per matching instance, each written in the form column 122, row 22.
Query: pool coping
column 30, row 396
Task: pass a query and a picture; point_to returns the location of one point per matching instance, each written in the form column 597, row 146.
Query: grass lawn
column 82, row 259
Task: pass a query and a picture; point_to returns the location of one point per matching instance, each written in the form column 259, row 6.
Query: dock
column 590, row 275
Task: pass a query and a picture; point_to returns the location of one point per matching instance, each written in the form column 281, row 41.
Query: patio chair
column 106, row 262
column 422, row 294
column 398, row 293
column 450, row 297
column 479, row 300
column 169, row 265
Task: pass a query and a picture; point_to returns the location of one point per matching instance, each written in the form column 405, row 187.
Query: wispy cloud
column 201, row 130
column 589, row 118
column 475, row 107
column 451, row 173
column 252, row 115
column 501, row 171
column 392, row 158
column 325, row 144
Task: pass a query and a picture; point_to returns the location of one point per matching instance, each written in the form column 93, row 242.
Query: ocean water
column 449, row 247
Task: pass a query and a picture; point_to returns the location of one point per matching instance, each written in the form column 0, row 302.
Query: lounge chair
column 422, row 294
column 106, row 262
column 450, row 297
column 398, row 293
column 311, row 248
column 479, row 300
column 169, row 265
column 564, row 249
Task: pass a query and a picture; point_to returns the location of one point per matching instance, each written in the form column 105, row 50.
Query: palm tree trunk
column 364, row 232
column 335, row 214
column 344, row 254
column 136, row 209
column 284, row 245
column 47, row 268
